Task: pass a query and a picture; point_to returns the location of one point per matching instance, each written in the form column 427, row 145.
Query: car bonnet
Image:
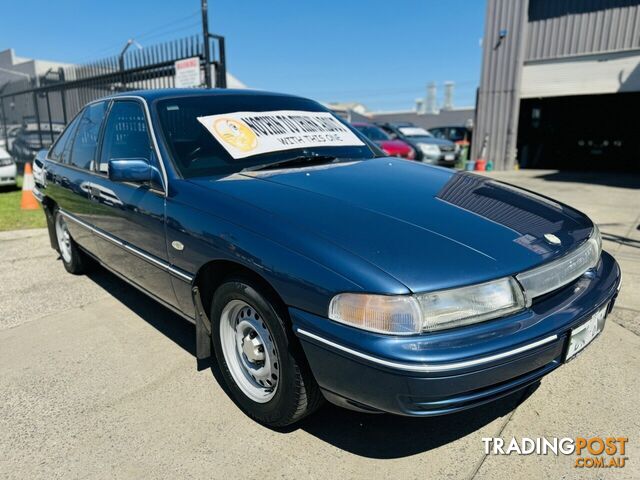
column 427, row 227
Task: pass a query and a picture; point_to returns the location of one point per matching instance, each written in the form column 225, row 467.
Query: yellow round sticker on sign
column 236, row 133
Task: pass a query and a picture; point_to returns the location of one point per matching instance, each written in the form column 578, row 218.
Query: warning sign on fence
column 187, row 73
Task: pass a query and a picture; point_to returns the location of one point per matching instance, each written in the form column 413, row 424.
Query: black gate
column 33, row 112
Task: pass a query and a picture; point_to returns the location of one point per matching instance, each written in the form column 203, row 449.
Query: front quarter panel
column 212, row 227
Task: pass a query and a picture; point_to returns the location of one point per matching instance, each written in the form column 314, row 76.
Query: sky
column 379, row 53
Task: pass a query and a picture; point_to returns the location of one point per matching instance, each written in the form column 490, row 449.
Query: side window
column 58, row 149
column 85, row 144
column 125, row 135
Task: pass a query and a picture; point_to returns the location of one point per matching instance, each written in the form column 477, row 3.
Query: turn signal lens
column 398, row 315
column 426, row 312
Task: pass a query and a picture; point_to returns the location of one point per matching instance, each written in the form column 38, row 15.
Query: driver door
column 132, row 214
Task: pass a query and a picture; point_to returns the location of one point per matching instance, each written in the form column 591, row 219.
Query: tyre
column 259, row 357
column 74, row 260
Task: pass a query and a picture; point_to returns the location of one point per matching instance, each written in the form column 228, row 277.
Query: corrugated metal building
column 560, row 84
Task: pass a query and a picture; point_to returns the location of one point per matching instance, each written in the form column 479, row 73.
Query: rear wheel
column 261, row 365
column 74, row 260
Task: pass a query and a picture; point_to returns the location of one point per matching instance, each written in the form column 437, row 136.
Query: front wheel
column 73, row 258
column 264, row 370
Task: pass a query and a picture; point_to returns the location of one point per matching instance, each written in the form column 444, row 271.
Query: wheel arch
column 213, row 273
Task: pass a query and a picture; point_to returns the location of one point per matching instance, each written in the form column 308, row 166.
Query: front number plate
column 583, row 335
column 448, row 157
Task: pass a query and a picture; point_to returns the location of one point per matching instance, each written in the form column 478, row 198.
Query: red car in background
column 393, row 148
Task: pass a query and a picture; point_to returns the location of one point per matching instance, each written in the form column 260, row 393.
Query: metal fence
column 33, row 112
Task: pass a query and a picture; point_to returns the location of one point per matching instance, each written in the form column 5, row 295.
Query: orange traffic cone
column 28, row 201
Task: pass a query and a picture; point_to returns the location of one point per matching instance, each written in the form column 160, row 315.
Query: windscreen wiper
column 301, row 159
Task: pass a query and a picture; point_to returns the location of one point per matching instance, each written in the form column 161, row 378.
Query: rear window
column 196, row 152
column 414, row 132
column 63, row 143
column 373, row 133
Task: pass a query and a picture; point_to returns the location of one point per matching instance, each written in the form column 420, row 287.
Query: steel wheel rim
column 249, row 351
column 64, row 239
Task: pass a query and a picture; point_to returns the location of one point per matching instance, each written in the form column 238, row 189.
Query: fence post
column 4, row 122
column 49, row 116
column 37, row 112
column 63, row 96
column 221, row 71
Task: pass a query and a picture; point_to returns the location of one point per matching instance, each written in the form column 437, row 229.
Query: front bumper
column 448, row 371
column 8, row 175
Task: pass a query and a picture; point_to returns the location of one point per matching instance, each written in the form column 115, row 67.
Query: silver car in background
column 8, row 169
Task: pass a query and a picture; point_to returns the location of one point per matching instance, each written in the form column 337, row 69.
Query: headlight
column 457, row 148
column 5, row 162
column 476, row 303
column 553, row 275
column 427, row 312
column 429, row 149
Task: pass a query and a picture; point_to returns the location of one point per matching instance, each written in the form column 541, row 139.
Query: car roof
column 159, row 94
column 395, row 124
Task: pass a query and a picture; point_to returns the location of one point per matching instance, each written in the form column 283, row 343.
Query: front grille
column 447, row 148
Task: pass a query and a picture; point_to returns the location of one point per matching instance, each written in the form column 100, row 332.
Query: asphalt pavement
column 98, row 381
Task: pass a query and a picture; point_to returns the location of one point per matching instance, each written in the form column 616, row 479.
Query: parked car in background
column 429, row 149
column 7, row 138
column 312, row 265
column 31, row 138
column 8, row 169
column 460, row 135
column 393, row 148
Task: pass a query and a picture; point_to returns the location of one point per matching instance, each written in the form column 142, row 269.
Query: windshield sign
column 414, row 132
column 244, row 134
column 222, row 134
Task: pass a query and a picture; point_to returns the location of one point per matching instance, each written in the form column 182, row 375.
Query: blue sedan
column 316, row 268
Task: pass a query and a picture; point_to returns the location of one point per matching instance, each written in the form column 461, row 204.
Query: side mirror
column 135, row 170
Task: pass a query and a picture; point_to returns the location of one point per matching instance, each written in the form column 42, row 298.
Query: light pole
column 205, row 36
column 130, row 42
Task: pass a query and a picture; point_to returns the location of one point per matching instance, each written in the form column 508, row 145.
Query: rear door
column 70, row 173
column 131, row 237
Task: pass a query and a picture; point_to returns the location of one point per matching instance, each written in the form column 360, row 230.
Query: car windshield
column 414, row 132
column 457, row 134
column 373, row 133
column 210, row 135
